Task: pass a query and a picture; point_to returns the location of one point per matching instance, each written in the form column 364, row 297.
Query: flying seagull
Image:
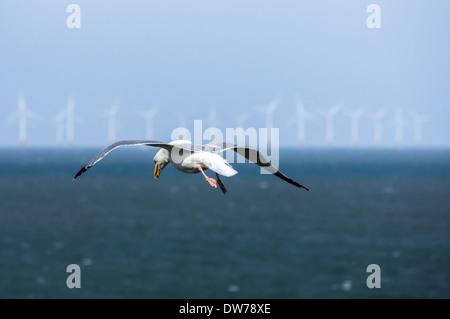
column 191, row 158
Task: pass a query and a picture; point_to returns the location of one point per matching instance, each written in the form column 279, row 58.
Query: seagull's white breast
column 183, row 161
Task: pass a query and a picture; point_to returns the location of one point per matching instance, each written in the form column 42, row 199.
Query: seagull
column 191, row 158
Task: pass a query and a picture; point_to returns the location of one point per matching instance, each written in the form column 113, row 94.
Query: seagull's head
column 161, row 160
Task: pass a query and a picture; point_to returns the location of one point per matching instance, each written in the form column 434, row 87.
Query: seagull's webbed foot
column 210, row 180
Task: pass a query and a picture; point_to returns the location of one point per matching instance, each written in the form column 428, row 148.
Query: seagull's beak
column 156, row 171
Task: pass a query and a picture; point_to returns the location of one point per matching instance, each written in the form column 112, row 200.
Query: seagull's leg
column 210, row 180
column 222, row 187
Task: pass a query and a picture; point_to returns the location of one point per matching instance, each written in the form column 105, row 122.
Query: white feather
column 214, row 162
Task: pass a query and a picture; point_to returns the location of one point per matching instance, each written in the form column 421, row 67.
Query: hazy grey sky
column 190, row 56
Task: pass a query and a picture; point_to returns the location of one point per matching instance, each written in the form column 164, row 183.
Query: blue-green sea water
column 176, row 237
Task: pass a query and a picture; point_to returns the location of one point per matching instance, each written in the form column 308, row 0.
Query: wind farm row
column 66, row 119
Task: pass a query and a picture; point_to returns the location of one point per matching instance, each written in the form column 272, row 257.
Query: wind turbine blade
column 381, row 113
column 334, row 109
column 70, row 104
column 114, row 108
column 112, row 111
column 321, row 111
column 152, row 111
column 58, row 116
column 273, row 105
column 21, row 102
column 32, row 115
column 306, row 115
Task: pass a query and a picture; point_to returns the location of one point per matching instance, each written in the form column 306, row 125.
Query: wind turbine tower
column 21, row 115
column 378, row 126
column 355, row 116
column 329, row 115
column 70, row 109
column 59, row 119
column 268, row 111
column 418, row 122
column 71, row 118
column 22, row 112
column 302, row 116
column 399, row 124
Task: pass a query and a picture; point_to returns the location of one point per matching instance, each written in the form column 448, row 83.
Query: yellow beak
column 156, row 171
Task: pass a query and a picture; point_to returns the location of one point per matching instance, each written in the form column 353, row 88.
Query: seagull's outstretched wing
column 105, row 152
column 253, row 156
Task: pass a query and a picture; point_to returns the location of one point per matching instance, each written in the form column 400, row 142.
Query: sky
column 191, row 57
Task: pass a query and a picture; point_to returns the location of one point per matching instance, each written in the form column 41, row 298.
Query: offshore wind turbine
column 329, row 115
column 70, row 116
column 354, row 120
column 59, row 119
column 378, row 126
column 269, row 111
column 22, row 109
column 22, row 114
column 399, row 125
column 148, row 117
column 302, row 116
column 111, row 115
column 418, row 122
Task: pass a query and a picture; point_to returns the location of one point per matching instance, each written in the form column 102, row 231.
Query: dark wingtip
column 81, row 171
column 301, row 186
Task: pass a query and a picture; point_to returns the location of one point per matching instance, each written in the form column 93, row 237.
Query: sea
column 132, row 236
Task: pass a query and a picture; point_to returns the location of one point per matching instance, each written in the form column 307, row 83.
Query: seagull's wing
column 253, row 156
column 105, row 152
